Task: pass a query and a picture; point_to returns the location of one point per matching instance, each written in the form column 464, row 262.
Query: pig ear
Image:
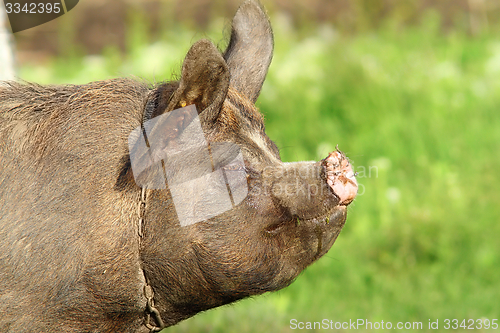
column 250, row 49
column 204, row 81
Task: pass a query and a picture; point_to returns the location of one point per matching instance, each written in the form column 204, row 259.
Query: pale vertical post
column 7, row 62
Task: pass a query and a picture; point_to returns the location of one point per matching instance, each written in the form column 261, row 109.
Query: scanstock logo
column 205, row 179
column 28, row 14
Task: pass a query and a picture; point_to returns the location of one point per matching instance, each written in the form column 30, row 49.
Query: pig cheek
column 241, row 252
column 259, row 201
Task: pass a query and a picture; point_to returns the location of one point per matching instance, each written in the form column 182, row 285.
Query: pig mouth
column 334, row 219
column 327, row 234
column 324, row 229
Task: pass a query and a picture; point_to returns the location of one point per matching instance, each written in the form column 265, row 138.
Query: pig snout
column 340, row 177
column 311, row 190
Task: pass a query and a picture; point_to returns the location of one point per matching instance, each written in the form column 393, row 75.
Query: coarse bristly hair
column 80, row 239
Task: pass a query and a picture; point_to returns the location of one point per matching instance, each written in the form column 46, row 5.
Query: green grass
column 418, row 109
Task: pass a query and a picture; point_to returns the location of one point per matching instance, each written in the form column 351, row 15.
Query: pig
column 90, row 243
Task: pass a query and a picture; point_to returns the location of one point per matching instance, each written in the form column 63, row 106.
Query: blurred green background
column 409, row 90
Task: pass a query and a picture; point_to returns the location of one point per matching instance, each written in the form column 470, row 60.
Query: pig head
column 86, row 246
